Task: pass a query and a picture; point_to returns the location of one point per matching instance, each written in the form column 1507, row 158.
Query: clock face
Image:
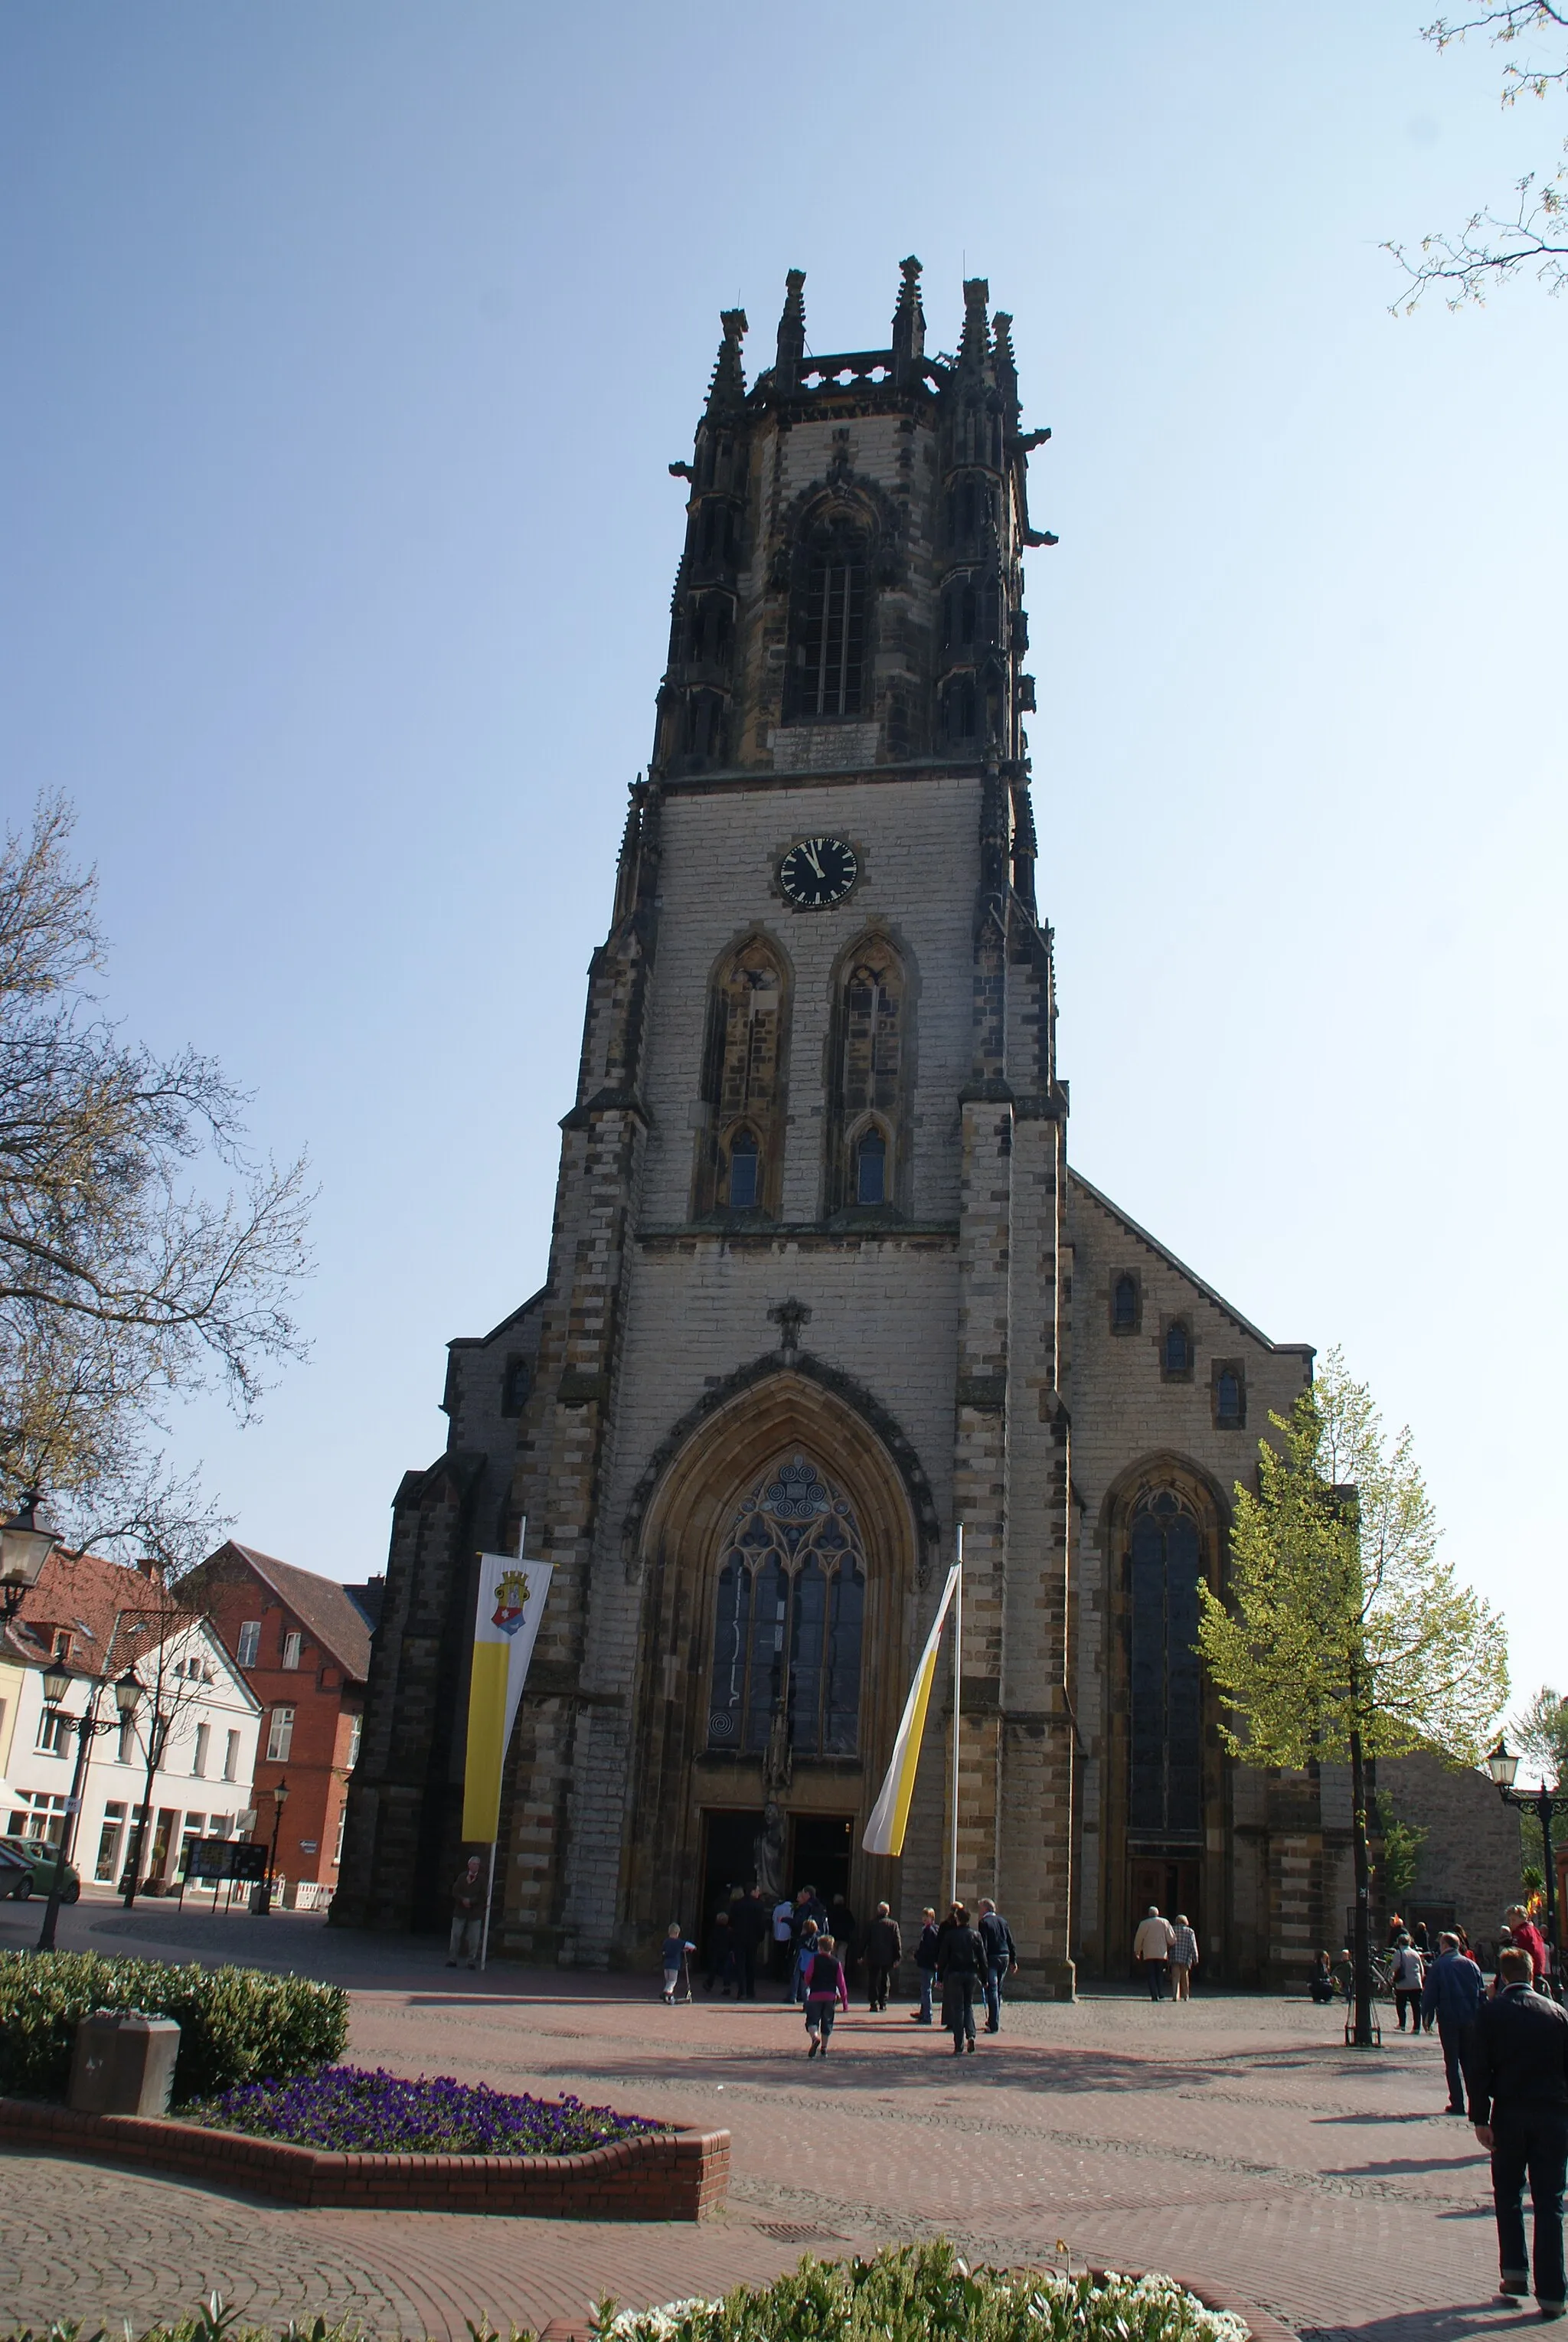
column 817, row 872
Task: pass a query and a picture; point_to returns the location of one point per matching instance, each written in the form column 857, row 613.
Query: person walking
column 677, row 1951
column 1409, row 1971
column 783, row 1943
column 1184, row 1957
column 884, row 1950
column 926, row 1964
column 1526, row 1936
column 961, row 1964
column 805, row 1952
column 467, row 1914
column 1449, row 1998
column 1151, row 1948
column 1516, row 2065
column 721, row 1969
column 748, row 1929
column 827, row 1992
column 1001, row 1959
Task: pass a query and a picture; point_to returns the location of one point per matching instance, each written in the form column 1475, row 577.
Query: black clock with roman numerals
column 818, row 871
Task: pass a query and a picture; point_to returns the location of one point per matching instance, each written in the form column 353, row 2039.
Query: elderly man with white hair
column 1152, row 1950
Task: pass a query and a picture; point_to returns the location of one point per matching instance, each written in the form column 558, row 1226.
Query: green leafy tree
column 1402, row 1844
column 1343, row 1636
column 1491, row 246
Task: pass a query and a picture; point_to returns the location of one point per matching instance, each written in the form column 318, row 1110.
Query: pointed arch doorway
column 780, row 1552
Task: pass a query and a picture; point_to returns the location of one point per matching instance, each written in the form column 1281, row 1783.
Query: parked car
column 27, row 1867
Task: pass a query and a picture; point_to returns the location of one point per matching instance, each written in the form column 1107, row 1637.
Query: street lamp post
column 58, row 1682
column 25, row 1548
column 280, row 1799
column 1545, row 1805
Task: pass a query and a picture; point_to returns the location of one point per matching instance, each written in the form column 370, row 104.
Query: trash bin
column 124, row 2063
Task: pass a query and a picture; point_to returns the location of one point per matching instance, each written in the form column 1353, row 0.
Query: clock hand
column 810, row 853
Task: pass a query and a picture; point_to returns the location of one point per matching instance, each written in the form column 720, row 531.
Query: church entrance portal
column 1171, row 1881
column 819, row 1855
column 729, row 1862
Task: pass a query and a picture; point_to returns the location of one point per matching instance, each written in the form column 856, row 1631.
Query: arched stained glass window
column 788, row 1619
column 1125, row 1305
column 827, row 649
column 1165, row 1785
column 1178, row 1351
column 871, row 1168
column 1230, row 1411
column 744, row 1165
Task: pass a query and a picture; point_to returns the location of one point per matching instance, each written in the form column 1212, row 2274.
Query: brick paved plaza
column 1233, row 2141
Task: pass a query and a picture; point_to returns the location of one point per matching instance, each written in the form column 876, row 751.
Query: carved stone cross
column 789, row 1316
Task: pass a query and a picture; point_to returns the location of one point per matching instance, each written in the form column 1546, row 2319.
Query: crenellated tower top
column 850, row 594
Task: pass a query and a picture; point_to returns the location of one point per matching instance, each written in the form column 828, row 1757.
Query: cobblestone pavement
column 1233, row 2140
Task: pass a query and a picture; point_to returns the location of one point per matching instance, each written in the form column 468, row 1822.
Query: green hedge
column 236, row 2025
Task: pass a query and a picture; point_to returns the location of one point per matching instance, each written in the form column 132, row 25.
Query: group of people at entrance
column 816, row 1949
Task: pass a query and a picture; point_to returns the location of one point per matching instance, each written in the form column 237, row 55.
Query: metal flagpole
column 957, row 1698
column 489, row 1898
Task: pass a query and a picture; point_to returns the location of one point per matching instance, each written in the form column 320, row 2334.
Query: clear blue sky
column 349, row 348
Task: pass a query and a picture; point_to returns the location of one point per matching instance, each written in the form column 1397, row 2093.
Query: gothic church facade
column 823, row 1284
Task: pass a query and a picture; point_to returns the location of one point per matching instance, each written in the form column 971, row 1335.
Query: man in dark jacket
column 1001, row 1959
column 961, row 1964
column 925, row 1964
column 1516, row 2064
column 1452, row 1994
column 883, row 1949
column 749, row 1924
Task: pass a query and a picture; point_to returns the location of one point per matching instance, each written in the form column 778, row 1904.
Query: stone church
column 823, row 1285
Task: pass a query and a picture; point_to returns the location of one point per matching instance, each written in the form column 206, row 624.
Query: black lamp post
column 280, row 1799
column 58, row 1682
column 1545, row 1805
column 25, row 1548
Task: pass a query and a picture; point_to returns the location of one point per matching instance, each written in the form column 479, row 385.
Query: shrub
column 924, row 2293
column 346, row 2109
column 236, row 2025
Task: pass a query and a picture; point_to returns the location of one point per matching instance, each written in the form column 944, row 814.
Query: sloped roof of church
column 1304, row 1349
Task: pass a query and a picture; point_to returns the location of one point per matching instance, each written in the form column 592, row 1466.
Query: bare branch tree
column 1492, row 247
column 128, row 1272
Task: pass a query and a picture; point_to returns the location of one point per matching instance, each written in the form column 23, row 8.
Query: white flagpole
column 957, row 1697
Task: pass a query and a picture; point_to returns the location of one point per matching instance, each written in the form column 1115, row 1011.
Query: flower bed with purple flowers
column 346, row 2109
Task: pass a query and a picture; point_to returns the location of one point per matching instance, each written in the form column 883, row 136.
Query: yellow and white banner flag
column 890, row 1814
column 506, row 1623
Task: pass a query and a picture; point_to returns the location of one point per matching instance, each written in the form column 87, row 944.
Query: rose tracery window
column 789, row 1619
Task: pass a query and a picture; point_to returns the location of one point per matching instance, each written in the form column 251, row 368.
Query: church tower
column 810, row 1292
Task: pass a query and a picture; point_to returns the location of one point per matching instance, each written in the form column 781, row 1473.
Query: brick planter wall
column 676, row 2176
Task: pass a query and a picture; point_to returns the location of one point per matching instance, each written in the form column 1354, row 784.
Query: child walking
column 826, row 1993
column 676, row 1950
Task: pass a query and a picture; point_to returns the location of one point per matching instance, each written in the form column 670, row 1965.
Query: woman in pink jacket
column 825, row 1994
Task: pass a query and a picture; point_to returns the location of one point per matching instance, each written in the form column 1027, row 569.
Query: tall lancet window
column 826, row 668
column 740, row 1155
column 866, row 1128
column 788, row 1619
column 1167, row 1769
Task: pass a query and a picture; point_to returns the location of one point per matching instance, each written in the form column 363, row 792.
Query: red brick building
column 304, row 1647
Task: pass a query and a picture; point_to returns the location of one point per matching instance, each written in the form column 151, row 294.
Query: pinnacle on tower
column 975, row 346
column 908, row 321
column 792, row 325
column 1006, row 365
column 727, row 390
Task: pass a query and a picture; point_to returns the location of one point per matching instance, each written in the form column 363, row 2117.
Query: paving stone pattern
column 1233, row 2141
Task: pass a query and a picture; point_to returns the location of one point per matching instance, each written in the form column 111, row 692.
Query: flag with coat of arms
column 506, row 1627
